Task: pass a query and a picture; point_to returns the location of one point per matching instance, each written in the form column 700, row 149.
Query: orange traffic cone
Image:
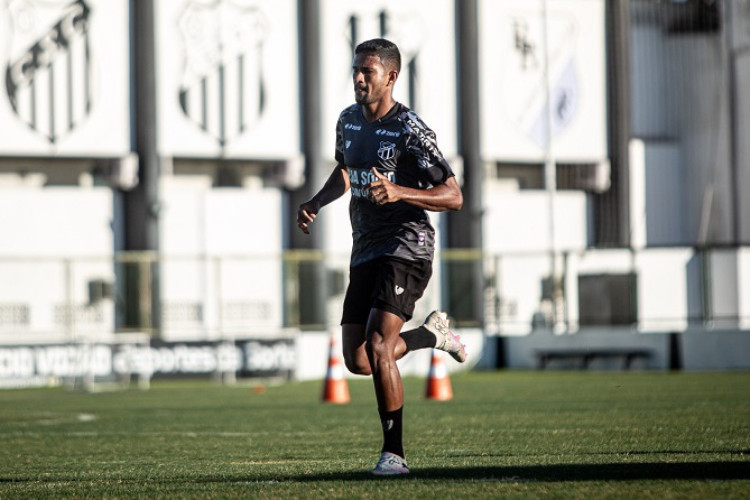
column 438, row 384
column 336, row 390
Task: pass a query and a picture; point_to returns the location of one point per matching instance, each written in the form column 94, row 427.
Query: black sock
column 392, row 431
column 419, row 338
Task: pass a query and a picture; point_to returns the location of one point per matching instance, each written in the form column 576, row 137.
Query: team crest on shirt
column 387, row 150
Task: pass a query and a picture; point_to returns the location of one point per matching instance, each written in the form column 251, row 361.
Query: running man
column 389, row 160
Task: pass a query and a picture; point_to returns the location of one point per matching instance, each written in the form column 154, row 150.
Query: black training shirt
column 405, row 151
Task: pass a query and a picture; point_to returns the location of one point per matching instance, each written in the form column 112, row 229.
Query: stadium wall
column 697, row 349
column 227, row 178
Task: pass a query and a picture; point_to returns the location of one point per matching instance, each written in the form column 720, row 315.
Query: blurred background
column 153, row 155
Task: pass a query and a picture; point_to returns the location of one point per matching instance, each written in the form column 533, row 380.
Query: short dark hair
column 385, row 49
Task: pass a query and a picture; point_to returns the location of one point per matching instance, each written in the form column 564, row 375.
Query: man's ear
column 392, row 76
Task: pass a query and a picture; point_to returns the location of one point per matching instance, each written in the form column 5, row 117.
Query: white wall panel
column 56, row 222
column 54, row 242
column 663, row 289
column 519, row 221
column 222, row 268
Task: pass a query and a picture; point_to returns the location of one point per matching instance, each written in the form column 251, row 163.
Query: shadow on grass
column 703, row 471
column 718, row 471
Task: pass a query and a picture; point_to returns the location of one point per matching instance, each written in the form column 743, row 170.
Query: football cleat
column 390, row 464
column 437, row 323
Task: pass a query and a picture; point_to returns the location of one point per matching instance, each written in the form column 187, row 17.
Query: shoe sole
column 460, row 355
column 386, row 474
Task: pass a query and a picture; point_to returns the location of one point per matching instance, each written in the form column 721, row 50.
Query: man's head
column 375, row 68
column 386, row 50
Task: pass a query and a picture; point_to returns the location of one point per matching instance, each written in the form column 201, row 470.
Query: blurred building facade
column 153, row 154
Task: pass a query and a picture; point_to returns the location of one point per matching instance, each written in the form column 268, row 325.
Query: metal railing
column 221, row 297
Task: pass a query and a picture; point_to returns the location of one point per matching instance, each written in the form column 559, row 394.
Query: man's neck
column 377, row 110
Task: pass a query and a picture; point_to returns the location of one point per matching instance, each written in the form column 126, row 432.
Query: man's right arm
column 335, row 187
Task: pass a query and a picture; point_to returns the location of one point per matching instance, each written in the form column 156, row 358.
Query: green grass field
column 504, row 434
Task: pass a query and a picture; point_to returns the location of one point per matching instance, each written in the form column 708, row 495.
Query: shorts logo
column 399, row 290
column 421, row 237
column 387, row 150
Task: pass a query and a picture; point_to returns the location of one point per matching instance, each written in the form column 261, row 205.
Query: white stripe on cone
column 438, row 384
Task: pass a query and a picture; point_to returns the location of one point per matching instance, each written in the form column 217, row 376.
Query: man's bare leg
column 383, row 341
column 353, row 347
column 373, row 349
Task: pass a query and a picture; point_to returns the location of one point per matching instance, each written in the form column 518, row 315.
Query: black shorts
column 386, row 283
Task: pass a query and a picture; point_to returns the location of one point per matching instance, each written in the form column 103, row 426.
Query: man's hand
column 382, row 190
column 306, row 215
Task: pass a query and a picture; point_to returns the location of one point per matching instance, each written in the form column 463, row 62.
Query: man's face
column 372, row 81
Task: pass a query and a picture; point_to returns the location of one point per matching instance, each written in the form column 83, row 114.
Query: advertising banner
column 40, row 365
column 246, row 358
column 66, row 78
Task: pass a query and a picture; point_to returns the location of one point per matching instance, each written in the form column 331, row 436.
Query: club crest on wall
column 526, row 103
column 223, row 90
column 48, row 74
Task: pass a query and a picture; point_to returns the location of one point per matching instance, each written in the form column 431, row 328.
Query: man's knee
column 378, row 350
column 358, row 365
